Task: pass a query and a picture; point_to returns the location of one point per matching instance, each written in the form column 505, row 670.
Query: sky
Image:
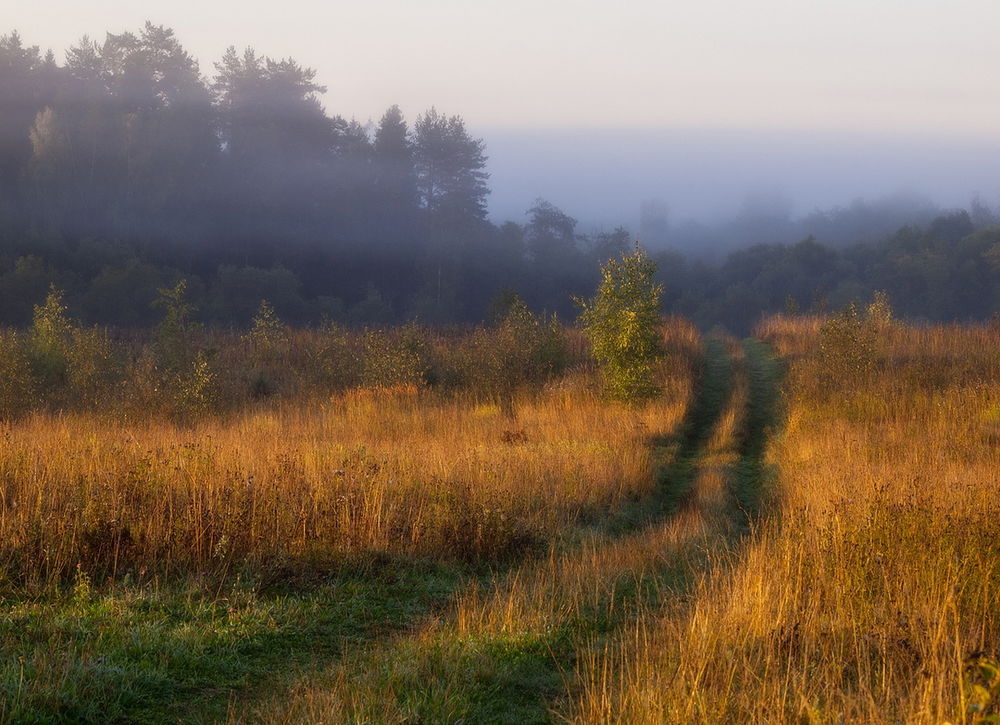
column 921, row 73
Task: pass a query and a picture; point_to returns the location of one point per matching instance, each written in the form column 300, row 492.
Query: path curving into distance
column 513, row 650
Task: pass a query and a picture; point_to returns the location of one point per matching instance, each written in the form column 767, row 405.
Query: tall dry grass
column 377, row 471
column 400, row 470
column 510, row 627
column 869, row 594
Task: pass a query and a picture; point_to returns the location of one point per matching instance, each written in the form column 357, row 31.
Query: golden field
column 790, row 533
column 871, row 592
column 387, row 470
column 372, row 471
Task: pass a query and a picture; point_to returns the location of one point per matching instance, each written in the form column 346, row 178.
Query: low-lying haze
column 601, row 176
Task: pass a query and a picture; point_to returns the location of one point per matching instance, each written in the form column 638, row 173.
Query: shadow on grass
column 751, row 478
column 176, row 654
column 521, row 676
column 527, row 678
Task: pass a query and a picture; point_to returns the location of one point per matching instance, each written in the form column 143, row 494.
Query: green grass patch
column 751, row 477
column 520, row 677
column 163, row 654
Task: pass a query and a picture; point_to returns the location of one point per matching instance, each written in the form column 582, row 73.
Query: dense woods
column 128, row 167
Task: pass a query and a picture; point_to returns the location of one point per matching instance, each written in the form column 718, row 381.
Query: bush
column 174, row 334
column 535, row 346
column 846, row 349
column 268, row 336
column 621, row 323
column 879, row 313
column 192, row 388
column 185, row 376
column 49, row 342
column 520, row 349
column 399, row 356
column 17, row 386
column 91, row 366
column 268, row 342
column 334, row 361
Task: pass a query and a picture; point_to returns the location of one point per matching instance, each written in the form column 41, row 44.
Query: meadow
column 457, row 525
column 868, row 590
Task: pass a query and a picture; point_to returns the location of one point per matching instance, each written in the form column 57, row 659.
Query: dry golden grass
column 392, row 471
column 790, row 335
column 543, row 594
column 859, row 596
column 509, row 627
column 862, row 597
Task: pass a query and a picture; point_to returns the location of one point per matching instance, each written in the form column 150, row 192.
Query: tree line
column 947, row 270
column 125, row 169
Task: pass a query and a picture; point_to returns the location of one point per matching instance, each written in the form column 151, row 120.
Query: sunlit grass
column 400, row 555
column 862, row 596
column 155, row 570
column 368, row 471
column 507, row 648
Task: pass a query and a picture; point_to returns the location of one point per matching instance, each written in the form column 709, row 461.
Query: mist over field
column 710, row 176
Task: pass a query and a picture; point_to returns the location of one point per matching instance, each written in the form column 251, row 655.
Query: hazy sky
column 906, row 66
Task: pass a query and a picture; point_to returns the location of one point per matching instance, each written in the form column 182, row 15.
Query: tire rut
column 548, row 617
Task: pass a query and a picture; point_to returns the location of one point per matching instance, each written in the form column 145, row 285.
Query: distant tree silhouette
column 450, row 168
column 123, row 170
column 550, row 235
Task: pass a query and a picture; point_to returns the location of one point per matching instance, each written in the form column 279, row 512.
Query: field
column 803, row 527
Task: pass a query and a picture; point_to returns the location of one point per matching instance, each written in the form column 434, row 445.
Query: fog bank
column 602, row 176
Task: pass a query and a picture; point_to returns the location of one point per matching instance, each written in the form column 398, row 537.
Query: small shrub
column 268, row 334
column 192, row 388
column 49, row 342
column 185, row 377
column 846, row 349
column 92, row 366
column 70, row 364
column 17, row 386
column 334, row 360
column 879, row 312
column 268, row 342
column 621, row 322
column 144, row 385
column 539, row 344
column 521, row 349
column 397, row 357
column 174, row 334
